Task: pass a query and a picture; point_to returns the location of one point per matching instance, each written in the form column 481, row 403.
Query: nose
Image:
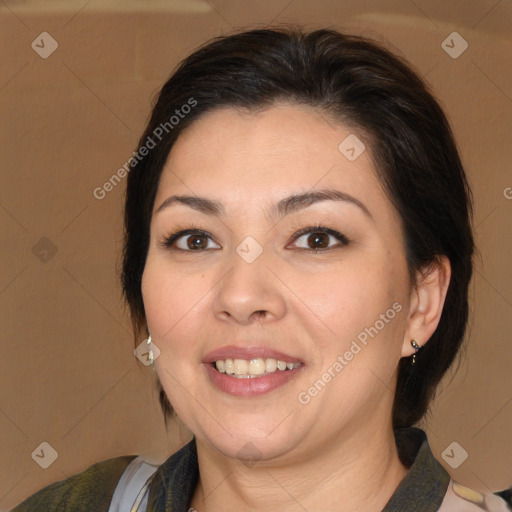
column 249, row 292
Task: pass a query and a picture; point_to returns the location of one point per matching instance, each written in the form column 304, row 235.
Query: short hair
column 380, row 97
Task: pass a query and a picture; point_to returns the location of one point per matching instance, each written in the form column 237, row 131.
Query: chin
column 252, row 450
column 251, row 443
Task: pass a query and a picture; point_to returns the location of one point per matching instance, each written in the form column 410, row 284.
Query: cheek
column 173, row 304
column 349, row 297
column 360, row 308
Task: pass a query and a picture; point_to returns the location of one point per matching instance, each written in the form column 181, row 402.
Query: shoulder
column 91, row 489
column 463, row 499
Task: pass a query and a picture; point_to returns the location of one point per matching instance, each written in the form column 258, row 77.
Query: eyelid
column 321, row 229
column 168, row 240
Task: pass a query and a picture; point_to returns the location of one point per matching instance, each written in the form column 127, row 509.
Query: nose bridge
column 249, row 287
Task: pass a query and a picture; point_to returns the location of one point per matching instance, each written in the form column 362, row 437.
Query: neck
column 359, row 470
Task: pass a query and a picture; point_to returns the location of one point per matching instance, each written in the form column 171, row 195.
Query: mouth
column 249, row 372
column 253, row 368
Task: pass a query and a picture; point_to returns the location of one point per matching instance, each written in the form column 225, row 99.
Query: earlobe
column 426, row 304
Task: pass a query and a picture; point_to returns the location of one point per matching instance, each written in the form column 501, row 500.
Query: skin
column 310, row 304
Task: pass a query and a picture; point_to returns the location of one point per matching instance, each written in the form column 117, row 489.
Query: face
column 254, row 278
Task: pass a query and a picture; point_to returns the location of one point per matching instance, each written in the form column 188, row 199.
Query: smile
column 249, row 371
column 256, row 367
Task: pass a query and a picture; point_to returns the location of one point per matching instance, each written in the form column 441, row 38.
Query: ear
column 426, row 304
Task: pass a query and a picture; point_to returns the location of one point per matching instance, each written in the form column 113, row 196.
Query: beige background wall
column 68, row 122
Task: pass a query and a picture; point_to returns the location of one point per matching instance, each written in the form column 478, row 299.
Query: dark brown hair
column 364, row 86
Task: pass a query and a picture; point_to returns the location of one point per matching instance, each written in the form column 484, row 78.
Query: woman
column 298, row 250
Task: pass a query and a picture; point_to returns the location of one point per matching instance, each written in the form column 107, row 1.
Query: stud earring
column 416, row 347
column 151, row 357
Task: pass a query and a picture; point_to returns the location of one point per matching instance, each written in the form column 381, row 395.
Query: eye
column 315, row 238
column 318, row 238
column 189, row 240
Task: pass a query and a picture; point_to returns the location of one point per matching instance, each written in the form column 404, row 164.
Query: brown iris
column 197, row 242
column 318, row 240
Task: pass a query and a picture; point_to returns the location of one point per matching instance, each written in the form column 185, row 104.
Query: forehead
column 240, row 157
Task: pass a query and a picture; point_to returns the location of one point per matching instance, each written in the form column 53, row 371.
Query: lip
column 250, row 387
column 248, row 353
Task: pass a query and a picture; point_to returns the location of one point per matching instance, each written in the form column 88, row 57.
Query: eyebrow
column 284, row 207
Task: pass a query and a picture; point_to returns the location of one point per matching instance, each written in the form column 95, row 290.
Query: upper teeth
column 254, row 367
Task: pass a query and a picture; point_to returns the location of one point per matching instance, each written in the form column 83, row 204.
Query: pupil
column 316, row 242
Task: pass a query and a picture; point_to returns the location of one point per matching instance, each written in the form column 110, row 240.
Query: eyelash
column 169, row 240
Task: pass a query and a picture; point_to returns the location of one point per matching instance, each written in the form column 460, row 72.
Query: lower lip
column 255, row 386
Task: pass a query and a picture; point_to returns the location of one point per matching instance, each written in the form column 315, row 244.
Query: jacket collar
column 424, row 486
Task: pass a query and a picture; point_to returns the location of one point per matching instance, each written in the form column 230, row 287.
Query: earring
column 151, row 357
column 416, row 347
